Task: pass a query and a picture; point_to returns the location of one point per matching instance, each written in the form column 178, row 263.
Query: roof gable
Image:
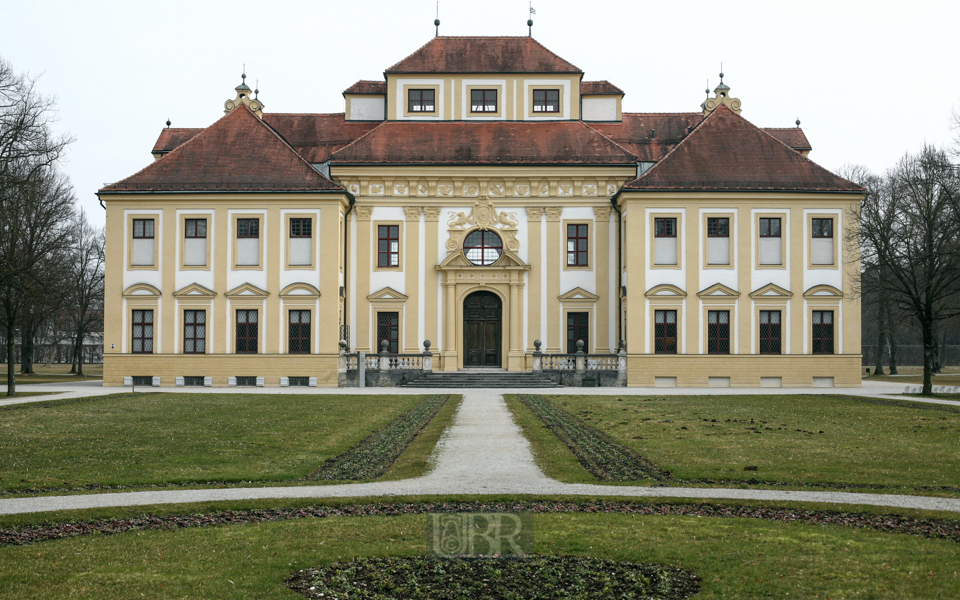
column 483, row 55
column 727, row 152
column 317, row 136
column 237, row 153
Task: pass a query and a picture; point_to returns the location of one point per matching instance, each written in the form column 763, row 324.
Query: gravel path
column 482, row 453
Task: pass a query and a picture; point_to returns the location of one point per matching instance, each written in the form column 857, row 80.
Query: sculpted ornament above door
column 483, row 215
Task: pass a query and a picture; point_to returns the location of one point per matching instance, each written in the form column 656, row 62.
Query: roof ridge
column 680, row 143
column 692, row 112
column 290, row 147
column 340, row 114
column 365, row 134
column 390, row 68
column 786, row 145
column 609, row 139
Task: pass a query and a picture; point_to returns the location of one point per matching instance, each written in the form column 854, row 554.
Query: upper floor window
column 248, row 228
column 195, row 228
column 546, row 101
column 483, row 101
column 770, row 247
column 248, row 242
column 300, row 228
column 822, row 243
column 421, row 101
column 143, row 242
column 388, row 245
column 718, row 241
column 483, row 248
column 577, row 245
column 665, row 241
column 195, row 242
column 301, row 244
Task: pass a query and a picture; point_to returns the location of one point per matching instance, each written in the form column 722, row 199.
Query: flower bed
column 374, row 454
column 603, row 457
column 531, row 577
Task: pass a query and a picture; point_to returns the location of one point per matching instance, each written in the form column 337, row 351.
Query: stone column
column 515, row 356
column 449, row 352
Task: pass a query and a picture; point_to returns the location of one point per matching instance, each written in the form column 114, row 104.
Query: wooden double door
column 482, row 327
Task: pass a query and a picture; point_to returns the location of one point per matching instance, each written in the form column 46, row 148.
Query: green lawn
column 735, row 557
column 831, row 440
column 914, row 375
column 160, row 439
column 52, row 374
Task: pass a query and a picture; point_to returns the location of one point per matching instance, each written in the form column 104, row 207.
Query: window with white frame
column 301, row 241
column 665, row 241
column 770, row 246
column 248, row 242
column 821, row 230
column 718, row 241
column 143, row 242
column 194, row 242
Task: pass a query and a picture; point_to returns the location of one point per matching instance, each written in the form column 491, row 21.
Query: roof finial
column 168, row 121
column 256, row 90
column 436, row 22
column 798, row 122
column 243, row 76
column 530, row 21
column 708, row 88
column 721, row 72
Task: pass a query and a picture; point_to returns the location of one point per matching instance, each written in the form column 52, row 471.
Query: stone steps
column 479, row 380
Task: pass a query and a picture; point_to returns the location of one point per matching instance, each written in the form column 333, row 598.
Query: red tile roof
column 315, row 137
column 650, row 135
column 237, row 153
column 791, row 136
column 483, row 55
column 171, row 137
column 378, row 88
column 727, row 152
column 599, row 88
column 477, row 143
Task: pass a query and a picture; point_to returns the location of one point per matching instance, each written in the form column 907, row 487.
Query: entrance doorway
column 482, row 322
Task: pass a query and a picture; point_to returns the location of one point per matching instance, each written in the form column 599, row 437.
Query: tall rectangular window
column 546, row 101
column 194, row 331
column 421, row 101
column 301, row 241
column 770, row 332
column 388, row 245
column 483, row 101
column 665, row 241
column 143, row 242
column 770, row 247
column 822, row 242
column 143, row 332
column 388, row 328
column 718, row 241
column 822, row 332
column 299, row 331
column 718, row 332
column 248, row 242
column 195, row 242
column 665, row 331
column 578, row 329
column 577, row 245
column 247, row 331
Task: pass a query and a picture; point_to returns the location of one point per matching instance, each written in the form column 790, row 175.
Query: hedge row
column 375, row 453
column 600, row 454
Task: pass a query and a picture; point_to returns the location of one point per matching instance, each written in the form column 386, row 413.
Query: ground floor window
column 665, row 331
column 247, row 331
column 143, row 331
column 578, row 329
column 299, row 332
column 718, row 332
column 194, row 332
column 823, row 332
column 770, row 332
column 388, row 328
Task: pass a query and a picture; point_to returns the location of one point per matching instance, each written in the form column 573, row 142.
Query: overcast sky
column 868, row 80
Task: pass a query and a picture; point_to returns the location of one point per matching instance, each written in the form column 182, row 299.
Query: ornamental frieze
column 483, row 215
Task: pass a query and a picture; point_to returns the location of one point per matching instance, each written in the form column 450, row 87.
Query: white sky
column 868, row 80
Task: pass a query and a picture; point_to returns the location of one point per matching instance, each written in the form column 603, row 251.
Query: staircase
column 481, row 379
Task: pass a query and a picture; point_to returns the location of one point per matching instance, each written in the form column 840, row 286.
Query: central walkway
column 482, row 453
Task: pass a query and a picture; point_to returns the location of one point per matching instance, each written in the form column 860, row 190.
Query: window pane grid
column 388, row 246
column 248, row 228
column 143, row 229
column 718, row 332
column 665, row 227
column 822, row 228
column 421, row 101
column 300, row 228
column 718, row 227
column 769, row 227
column 577, row 245
column 143, row 331
column 388, row 328
column 770, row 332
column 299, row 332
column 578, row 329
column 483, row 247
column 194, row 331
column 195, row 228
column 247, row 331
column 546, row 100
column 822, row 332
column 483, row 101
column 665, row 331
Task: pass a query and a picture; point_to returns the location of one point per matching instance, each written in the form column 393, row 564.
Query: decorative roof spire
column 798, row 122
column 530, row 21
column 168, row 122
column 243, row 97
column 721, row 96
column 436, row 22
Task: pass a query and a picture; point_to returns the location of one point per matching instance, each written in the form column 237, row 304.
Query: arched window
column 483, row 248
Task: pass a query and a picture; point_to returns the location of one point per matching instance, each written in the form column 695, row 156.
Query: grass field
column 914, row 375
column 833, row 441
column 52, row 374
column 735, row 557
column 160, row 439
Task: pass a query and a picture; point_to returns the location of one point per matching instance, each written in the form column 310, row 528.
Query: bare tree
column 85, row 299
column 909, row 234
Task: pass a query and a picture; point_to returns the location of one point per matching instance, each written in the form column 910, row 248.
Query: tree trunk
column 79, row 354
column 11, row 378
column 881, row 335
column 936, row 368
column 928, row 349
column 892, row 341
column 26, row 348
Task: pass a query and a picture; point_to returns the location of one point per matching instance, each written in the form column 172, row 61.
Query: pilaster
column 602, row 268
column 534, row 295
column 411, row 268
column 364, row 268
column 554, row 251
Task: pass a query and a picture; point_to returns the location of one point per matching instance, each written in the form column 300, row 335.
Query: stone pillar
column 603, row 269
column 515, row 356
column 553, row 267
column 411, row 270
column 364, row 268
column 427, row 357
column 534, row 294
column 431, row 287
column 537, row 357
column 449, row 352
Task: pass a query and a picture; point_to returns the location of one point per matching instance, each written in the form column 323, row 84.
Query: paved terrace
column 482, row 453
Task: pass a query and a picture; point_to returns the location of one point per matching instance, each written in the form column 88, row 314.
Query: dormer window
column 483, row 101
column 421, row 101
column 546, row 101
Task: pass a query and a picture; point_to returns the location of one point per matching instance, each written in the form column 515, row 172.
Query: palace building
column 482, row 196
